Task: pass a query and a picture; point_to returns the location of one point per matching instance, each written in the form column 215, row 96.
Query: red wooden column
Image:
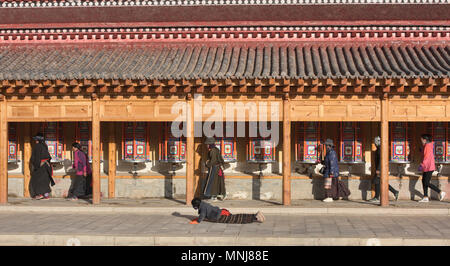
column 95, row 150
column 189, row 149
column 3, row 151
column 286, row 150
column 384, row 182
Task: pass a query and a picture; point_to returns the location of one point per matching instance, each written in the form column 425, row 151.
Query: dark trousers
column 377, row 187
column 426, row 183
column 338, row 189
column 88, row 185
column 78, row 187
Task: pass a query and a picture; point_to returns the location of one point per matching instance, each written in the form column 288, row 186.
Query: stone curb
column 128, row 240
column 266, row 210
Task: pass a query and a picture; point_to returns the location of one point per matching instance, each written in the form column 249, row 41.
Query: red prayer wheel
column 260, row 150
column 135, row 142
column 83, row 136
column 54, row 138
column 307, row 137
column 351, row 142
column 12, row 143
column 227, row 147
column 171, row 149
column 441, row 139
column 400, row 133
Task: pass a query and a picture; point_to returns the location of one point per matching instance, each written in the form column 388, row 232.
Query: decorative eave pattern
column 110, row 3
column 219, row 61
column 226, row 34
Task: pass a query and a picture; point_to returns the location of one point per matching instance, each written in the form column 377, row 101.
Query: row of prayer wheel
column 308, row 147
column 350, row 148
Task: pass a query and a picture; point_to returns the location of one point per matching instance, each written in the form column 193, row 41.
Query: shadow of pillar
column 198, row 171
column 256, row 187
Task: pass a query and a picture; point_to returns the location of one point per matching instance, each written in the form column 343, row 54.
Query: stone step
column 160, row 240
column 264, row 209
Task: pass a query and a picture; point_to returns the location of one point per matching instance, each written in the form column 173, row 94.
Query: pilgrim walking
column 40, row 169
column 215, row 214
column 428, row 167
column 376, row 177
column 334, row 188
column 215, row 181
column 83, row 170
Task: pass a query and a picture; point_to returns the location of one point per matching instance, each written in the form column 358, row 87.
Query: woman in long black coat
column 215, row 182
column 41, row 170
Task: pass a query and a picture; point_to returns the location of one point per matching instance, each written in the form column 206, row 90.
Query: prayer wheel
column 171, row 149
column 135, row 142
column 401, row 133
column 12, row 143
column 307, row 142
column 260, row 150
column 54, row 138
column 83, row 136
column 351, row 145
column 441, row 138
column 227, row 147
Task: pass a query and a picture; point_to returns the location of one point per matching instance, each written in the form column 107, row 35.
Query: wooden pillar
column 286, row 150
column 3, row 151
column 111, row 161
column 189, row 149
column 95, row 150
column 373, row 134
column 384, row 182
column 26, row 158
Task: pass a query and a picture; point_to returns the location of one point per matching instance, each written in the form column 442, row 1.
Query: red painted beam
column 232, row 15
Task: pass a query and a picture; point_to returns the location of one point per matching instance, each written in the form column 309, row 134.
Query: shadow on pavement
column 189, row 217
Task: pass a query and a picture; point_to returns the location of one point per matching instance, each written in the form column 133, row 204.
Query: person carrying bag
column 334, row 188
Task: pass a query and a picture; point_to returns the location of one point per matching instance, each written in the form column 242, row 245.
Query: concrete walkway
column 166, row 222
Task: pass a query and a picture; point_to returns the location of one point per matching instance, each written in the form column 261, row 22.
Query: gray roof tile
column 217, row 61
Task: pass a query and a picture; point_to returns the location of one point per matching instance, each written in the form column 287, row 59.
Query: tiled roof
column 219, row 61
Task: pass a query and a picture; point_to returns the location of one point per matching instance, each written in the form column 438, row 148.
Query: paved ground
column 164, row 202
column 166, row 222
column 174, row 229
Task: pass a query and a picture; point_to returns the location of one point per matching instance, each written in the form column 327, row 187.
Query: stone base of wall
column 256, row 189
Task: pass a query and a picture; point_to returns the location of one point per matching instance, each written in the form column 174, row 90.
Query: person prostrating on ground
column 215, row 214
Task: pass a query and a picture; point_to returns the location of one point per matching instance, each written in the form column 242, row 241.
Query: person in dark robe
column 82, row 168
column 215, row 214
column 215, row 181
column 334, row 188
column 40, row 169
column 376, row 177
